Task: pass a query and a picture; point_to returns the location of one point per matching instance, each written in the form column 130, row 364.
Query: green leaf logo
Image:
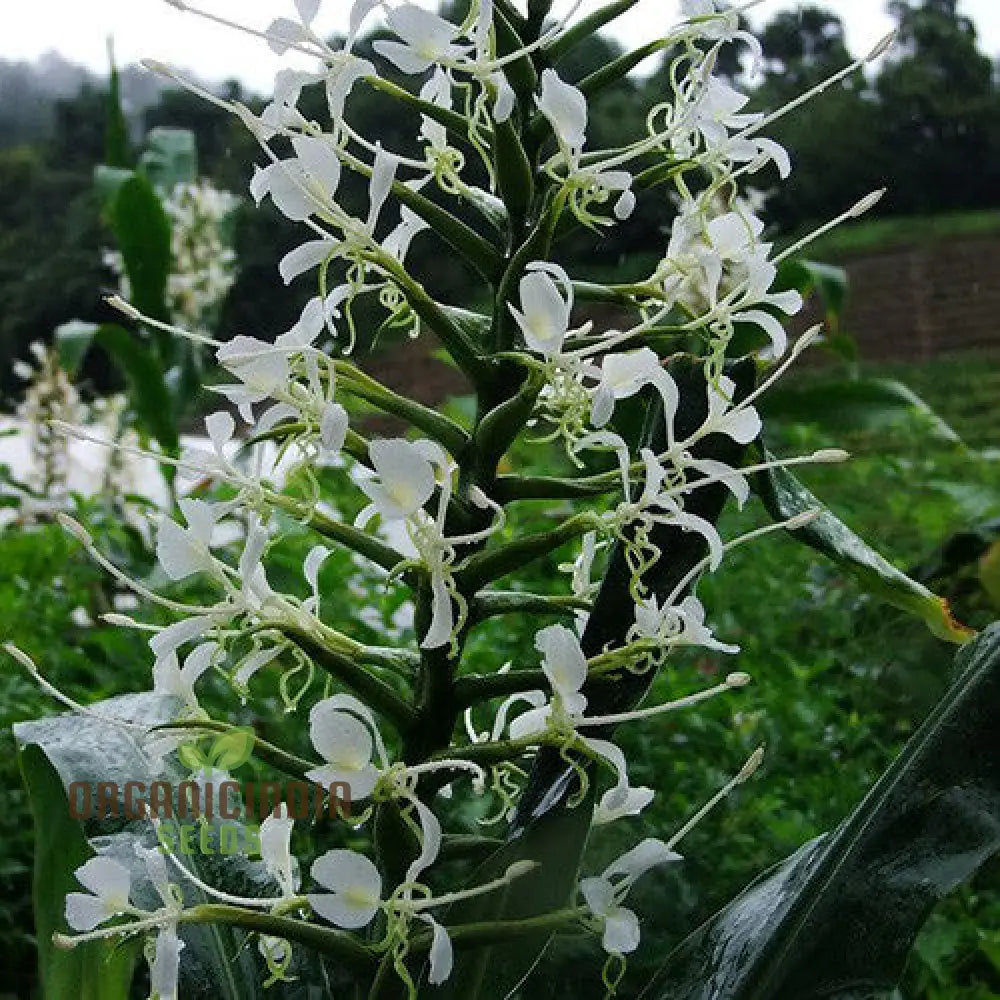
column 232, row 750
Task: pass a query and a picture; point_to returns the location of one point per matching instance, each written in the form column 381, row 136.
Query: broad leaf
column 837, row 920
column 148, row 391
column 96, row 971
column 142, row 230
column 785, row 497
column 88, row 749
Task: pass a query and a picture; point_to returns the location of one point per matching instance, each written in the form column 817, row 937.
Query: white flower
column 353, row 889
column 615, row 804
column 169, row 678
column 275, row 850
column 565, row 666
column 683, row 625
column 426, row 39
column 346, row 743
column 604, row 894
column 405, row 480
column 546, row 307
column 108, row 885
column 182, row 552
column 304, row 184
column 624, row 375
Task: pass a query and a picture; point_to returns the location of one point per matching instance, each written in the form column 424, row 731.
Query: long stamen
column 749, row 770
column 732, row 683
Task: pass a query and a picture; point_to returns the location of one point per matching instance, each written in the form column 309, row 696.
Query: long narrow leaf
column 837, row 920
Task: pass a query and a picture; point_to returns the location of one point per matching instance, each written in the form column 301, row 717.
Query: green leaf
column 73, row 340
column 171, row 158
column 142, row 230
column 556, row 844
column 233, row 749
column 116, row 143
column 85, row 749
column 785, row 497
column 96, row 971
column 148, row 391
column 855, row 405
column 838, row 919
column 191, row 756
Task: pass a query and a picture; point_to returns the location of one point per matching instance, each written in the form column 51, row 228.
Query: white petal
column 339, row 738
column 431, row 830
column 283, row 33
column 320, row 162
column 304, row 258
column 442, row 955
column 333, row 426
column 164, row 969
column 313, row 564
column 383, row 175
column 770, row 325
column 355, row 889
column 308, row 9
column 402, row 56
column 563, row 660
column 545, row 314
column 221, row 427
column 442, row 616
column 174, row 636
column 599, row 895
column 85, row 912
column 566, row 109
column 106, row 878
column 646, row 855
column 181, row 554
column 621, row 932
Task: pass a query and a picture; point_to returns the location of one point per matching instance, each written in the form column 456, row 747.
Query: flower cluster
column 203, row 262
column 436, row 517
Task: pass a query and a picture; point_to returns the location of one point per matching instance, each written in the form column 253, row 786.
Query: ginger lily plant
column 506, row 170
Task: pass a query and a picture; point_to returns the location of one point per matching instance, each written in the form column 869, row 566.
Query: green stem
column 587, row 27
column 483, row 935
column 379, row 695
column 343, row 947
column 436, row 425
column 496, row 604
column 483, row 569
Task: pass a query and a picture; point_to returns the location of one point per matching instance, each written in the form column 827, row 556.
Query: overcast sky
column 78, row 29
